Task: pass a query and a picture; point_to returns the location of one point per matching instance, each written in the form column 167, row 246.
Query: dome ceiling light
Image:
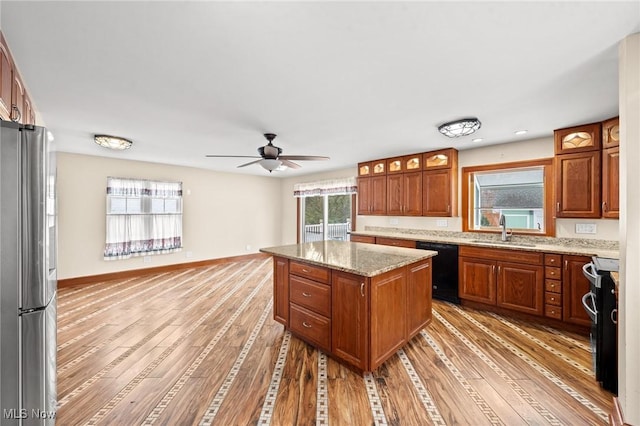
column 113, row 142
column 458, row 128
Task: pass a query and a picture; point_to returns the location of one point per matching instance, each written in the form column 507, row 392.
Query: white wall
column 223, row 214
column 607, row 229
column 629, row 315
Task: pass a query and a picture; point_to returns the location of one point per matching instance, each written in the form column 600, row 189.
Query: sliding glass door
column 325, row 217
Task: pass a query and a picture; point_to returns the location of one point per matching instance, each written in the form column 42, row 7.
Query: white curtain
column 326, row 187
column 143, row 217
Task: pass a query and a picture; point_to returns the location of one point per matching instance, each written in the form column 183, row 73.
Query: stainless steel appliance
column 28, row 279
column 600, row 304
column 444, row 274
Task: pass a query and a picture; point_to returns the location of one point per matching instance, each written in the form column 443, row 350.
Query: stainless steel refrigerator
column 28, row 279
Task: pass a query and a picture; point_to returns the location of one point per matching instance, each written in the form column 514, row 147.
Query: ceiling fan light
column 112, row 142
column 270, row 164
column 458, row 128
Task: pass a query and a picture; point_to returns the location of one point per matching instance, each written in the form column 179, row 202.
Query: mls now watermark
column 23, row 413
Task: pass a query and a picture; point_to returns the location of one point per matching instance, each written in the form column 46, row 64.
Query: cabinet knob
column 553, row 299
column 552, row 260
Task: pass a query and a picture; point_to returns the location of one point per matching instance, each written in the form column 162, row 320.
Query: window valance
column 326, row 187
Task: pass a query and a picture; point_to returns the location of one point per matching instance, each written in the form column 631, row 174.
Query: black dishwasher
column 445, row 270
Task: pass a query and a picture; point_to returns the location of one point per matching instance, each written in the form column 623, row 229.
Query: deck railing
column 335, row 231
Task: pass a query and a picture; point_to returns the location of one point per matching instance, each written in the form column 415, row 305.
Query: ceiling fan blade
column 250, row 163
column 233, row 156
column 302, row 157
column 289, row 164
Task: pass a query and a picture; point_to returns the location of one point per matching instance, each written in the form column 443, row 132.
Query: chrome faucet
column 506, row 235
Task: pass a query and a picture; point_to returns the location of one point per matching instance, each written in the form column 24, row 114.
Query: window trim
column 549, row 183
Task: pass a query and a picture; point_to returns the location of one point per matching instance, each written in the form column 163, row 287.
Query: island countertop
column 363, row 259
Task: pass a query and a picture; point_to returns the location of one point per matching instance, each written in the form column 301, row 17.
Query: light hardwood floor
column 200, row 346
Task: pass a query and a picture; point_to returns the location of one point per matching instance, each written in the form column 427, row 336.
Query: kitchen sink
column 504, row 243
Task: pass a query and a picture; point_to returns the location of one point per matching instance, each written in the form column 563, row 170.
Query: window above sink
column 521, row 191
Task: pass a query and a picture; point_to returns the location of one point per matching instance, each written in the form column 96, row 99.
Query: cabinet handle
column 305, row 324
column 553, row 299
column 362, row 289
column 604, row 206
column 306, row 271
column 552, row 272
column 558, row 206
column 566, row 265
column 448, row 208
column 499, row 269
column 306, row 294
column 493, row 269
column 614, row 316
column 552, row 260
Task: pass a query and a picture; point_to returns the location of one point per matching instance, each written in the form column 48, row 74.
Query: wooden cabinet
column 419, row 284
column 360, row 320
column 553, row 285
column 440, row 183
column 396, row 242
column 372, row 195
column 506, row 278
column 575, row 139
column 477, row 279
column 362, row 239
column 372, row 188
column 404, row 194
column 424, row 184
column 578, row 184
column 281, row 290
column 15, row 103
column 611, row 133
column 574, row 286
column 349, row 299
column 310, row 303
column 611, row 169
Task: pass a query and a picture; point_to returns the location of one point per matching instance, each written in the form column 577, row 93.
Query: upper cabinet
column 440, row 183
column 578, row 139
column 611, row 168
column 423, row 184
column 587, row 170
column 15, row 103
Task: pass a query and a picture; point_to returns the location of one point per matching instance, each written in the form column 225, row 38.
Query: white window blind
column 143, row 217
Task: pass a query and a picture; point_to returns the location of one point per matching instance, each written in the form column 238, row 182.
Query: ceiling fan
column 270, row 158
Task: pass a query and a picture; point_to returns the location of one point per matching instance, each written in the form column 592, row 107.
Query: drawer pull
column 552, row 260
column 306, row 271
column 306, row 324
column 305, row 294
column 553, row 299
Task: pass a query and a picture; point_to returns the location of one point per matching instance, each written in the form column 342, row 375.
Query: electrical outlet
column 248, row 247
column 442, row 223
column 586, row 228
column 146, row 259
column 188, row 254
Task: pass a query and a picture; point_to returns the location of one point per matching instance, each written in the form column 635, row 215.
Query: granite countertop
column 577, row 246
column 364, row 259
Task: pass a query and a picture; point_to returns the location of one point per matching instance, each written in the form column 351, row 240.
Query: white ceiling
column 350, row 80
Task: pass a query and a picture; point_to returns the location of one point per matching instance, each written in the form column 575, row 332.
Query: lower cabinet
column 360, row 320
column 574, row 286
column 505, row 278
column 349, row 330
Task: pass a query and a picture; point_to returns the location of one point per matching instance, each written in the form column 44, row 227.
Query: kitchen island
column 357, row 302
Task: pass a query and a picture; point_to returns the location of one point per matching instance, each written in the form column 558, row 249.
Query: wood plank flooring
column 200, row 347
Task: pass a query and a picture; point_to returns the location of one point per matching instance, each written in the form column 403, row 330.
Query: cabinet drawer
column 553, row 286
column 553, row 259
column 311, row 295
column 553, row 273
column 506, row 255
column 362, row 239
column 552, row 311
column 305, row 270
column 395, row 242
column 553, row 299
column 311, row 326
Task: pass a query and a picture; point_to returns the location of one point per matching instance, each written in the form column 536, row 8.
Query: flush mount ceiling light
column 462, row 127
column 113, row 142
